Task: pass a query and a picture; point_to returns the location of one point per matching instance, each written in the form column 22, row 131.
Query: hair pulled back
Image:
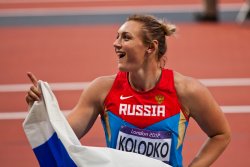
column 154, row 29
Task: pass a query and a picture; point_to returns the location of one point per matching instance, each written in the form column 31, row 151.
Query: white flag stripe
column 23, row 114
column 218, row 82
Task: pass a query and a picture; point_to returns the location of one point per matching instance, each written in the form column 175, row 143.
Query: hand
column 34, row 94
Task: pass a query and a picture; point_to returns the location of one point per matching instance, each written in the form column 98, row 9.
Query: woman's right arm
column 89, row 106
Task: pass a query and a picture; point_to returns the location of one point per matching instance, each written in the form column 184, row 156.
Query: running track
column 74, row 54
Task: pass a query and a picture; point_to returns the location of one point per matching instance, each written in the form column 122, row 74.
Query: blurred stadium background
column 69, row 43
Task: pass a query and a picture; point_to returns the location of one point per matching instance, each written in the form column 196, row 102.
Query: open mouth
column 120, row 54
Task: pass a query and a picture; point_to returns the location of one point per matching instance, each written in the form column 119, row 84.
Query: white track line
column 54, row 86
column 226, row 82
column 18, row 115
column 236, row 109
column 83, row 85
column 219, row 82
column 190, row 8
column 23, row 114
column 52, row 1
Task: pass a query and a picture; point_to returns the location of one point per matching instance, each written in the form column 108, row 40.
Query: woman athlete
column 145, row 108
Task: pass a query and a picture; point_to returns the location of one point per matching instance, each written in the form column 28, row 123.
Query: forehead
column 132, row 27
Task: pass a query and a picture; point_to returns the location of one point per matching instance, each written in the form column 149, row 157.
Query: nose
column 117, row 43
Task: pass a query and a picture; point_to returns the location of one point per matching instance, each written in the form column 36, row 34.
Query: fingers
column 29, row 100
column 34, row 93
column 32, row 78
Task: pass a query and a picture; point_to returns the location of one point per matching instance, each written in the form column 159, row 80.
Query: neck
column 144, row 80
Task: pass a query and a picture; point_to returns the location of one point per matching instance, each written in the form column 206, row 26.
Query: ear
column 153, row 46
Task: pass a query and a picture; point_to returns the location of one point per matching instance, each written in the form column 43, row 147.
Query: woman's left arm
column 202, row 107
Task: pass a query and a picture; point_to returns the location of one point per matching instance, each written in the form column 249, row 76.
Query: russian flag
column 55, row 144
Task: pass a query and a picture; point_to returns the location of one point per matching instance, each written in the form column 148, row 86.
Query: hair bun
column 169, row 29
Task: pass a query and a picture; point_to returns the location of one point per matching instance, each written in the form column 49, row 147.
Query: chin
column 122, row 68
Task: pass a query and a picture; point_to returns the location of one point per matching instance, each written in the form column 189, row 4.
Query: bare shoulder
column 192, row 94
column 103, row 81
column 199, row 104
column 101, row 85
column 186, row 86
column 95, row 93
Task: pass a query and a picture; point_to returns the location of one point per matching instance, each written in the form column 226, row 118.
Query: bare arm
column 89, row 106
column 201, row 106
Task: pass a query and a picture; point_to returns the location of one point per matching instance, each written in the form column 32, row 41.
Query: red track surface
column 82, row 53
column 9, row 4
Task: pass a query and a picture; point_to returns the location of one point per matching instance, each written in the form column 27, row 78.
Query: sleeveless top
column 149, row 123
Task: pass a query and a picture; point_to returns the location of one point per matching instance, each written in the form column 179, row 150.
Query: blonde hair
column 154, row 29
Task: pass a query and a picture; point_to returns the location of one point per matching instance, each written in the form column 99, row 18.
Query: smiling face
column 129, row 47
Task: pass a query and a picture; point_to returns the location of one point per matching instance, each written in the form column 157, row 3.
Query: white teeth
column 121, row 54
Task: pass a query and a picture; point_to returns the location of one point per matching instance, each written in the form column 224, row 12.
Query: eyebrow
column 124, row 33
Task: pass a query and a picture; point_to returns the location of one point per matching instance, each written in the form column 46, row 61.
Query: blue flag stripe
column 52, row 153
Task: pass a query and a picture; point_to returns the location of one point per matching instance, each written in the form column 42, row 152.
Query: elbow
column 224, row 139
column 227, row 137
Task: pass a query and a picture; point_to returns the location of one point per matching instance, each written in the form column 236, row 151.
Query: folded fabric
column 55, row 144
